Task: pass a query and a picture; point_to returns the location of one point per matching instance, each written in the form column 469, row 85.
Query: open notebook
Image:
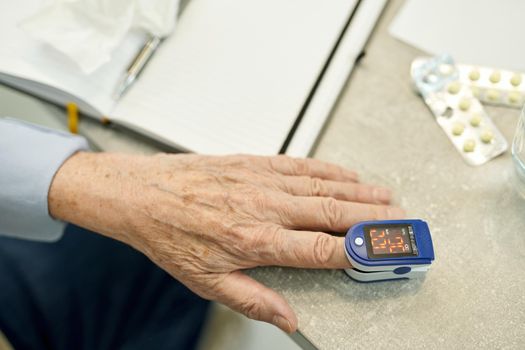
column 236, row 76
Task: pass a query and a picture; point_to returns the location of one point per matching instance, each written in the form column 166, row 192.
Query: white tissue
column 88, row 31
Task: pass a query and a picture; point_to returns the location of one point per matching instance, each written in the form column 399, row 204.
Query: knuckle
column 251, row 309
column 363, row 193
column 264, row 245
column 258, row 199
column 249, row 195
column 324, row 249
column 286, row 213
column 331, row 212
column 300, row 166
column 275, row 161
column 206, row 293
column 234, row 235
column 379, row 212
column 252, row 242
column 279, row 184
column 317, row 187
column 275, row 246
column 213, row 288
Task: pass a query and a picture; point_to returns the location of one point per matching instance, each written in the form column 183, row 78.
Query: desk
column 473, row 297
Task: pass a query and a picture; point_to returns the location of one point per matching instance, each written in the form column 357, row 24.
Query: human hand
column 204, row 219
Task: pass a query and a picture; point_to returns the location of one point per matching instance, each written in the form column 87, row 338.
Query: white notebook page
column 235, row 74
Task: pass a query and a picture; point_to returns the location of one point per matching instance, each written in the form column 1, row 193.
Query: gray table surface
column 473, row 297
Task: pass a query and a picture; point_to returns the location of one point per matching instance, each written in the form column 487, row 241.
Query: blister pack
column 500, row 87
column 457, row 110
column 491, row 85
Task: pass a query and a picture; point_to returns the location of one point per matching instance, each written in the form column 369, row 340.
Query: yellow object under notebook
column 72, row 117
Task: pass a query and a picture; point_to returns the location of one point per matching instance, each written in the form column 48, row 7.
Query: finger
column 304, row 249
column 311, row 167
column 348, row 191
column 256, row 301
column 329, row 214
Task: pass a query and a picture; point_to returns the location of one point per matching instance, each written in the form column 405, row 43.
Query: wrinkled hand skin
column 204, row 219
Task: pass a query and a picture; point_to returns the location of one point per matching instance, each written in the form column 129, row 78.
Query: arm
column 29, row 158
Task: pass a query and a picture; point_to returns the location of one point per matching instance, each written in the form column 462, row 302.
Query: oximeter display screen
column 384, row 241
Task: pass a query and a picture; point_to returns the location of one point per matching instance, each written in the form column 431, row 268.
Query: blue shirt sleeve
column 30, row 155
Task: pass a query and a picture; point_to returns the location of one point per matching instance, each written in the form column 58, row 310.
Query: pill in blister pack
column 491, row 85
column 457, row 110
column 501, row 87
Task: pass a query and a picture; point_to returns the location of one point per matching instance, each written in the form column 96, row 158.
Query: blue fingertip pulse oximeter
column 388, row 250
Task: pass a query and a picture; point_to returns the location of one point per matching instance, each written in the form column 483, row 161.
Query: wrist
column 89, row 190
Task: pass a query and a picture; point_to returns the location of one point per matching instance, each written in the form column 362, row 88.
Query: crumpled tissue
column 88, row 31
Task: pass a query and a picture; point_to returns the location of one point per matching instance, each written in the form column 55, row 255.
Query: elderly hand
column 204, row 219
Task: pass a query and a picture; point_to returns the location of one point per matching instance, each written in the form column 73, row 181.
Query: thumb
column 256, row 301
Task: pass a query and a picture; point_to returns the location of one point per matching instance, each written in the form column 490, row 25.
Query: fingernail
column 282, row 323
column 382, row 194
column 395, row 213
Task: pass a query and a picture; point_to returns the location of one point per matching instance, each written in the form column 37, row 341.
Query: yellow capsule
column 458, row 128
column 473, row 75
column 487, row 136
column 514, row 97
column 464, row 104
column 495, row 77
column 493, row 95
column 475, row 120
column 469, row 145
column 516, row 79
column 454, row 87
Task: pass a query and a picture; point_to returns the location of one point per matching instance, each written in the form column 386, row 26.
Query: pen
column 137, row 65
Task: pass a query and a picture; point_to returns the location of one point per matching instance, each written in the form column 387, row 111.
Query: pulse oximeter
column 388, row 250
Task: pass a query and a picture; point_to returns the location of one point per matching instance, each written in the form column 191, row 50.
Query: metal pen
column 136, row 66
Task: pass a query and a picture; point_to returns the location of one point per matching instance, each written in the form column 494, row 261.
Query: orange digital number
column 379, row 241
column 396, row 246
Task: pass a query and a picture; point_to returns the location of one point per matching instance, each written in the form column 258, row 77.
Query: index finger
column 303, row 249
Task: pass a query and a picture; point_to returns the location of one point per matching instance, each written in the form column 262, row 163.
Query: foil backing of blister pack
column 459, row 113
